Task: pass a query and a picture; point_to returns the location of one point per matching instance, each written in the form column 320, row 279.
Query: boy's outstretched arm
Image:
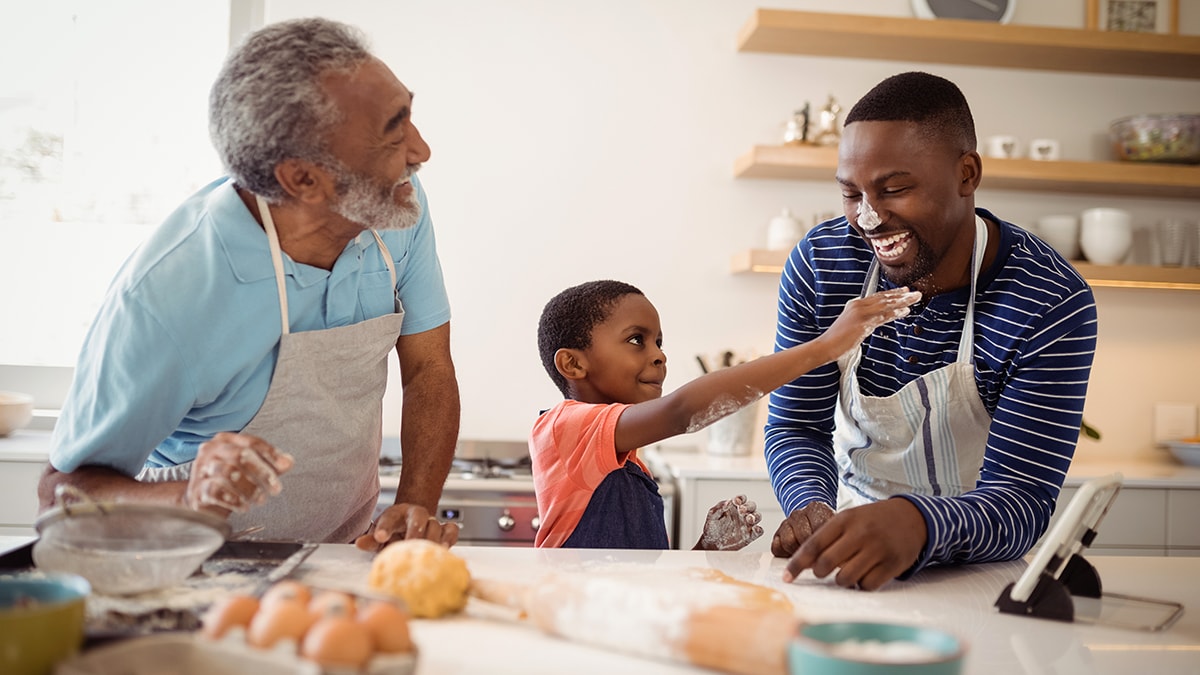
column 710, row 397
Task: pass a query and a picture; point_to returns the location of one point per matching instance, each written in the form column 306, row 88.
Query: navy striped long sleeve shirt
column 1035, row 336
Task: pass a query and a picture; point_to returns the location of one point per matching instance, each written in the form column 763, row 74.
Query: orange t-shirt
column 573, row 449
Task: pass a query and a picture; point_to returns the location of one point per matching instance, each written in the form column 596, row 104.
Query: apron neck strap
column 966, row 343
column 264, row 210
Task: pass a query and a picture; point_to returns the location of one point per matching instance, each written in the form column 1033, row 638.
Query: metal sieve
column 125, row 548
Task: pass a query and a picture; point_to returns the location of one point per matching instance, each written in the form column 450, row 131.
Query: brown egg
column 278, row 620
column 287, row 589
column 337, row 642
column 388, row 626
column 230, row 611
column 332, row 603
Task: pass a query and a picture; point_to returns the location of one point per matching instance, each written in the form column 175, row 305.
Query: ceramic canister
column 1106, row 235
column 784, row 231
column 1062, row 233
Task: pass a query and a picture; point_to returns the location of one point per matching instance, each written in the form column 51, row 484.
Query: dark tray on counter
column 246, row 567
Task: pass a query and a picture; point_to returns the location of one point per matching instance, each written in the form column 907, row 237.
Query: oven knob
column 535, row 523
column 506, row 522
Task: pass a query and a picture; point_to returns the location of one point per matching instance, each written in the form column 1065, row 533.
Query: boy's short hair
column 568, row 319
column 934, row 102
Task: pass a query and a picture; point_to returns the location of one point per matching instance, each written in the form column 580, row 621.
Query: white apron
column 929, row 437
column 325, row 407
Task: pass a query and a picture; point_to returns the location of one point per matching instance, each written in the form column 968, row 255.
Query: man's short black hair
column 934, row 102
column 568, row 319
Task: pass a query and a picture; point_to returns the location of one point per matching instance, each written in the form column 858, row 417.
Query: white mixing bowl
column 16, row 409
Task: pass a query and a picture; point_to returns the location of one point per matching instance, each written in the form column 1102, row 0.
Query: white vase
column 1106, row 235
column 784, row 232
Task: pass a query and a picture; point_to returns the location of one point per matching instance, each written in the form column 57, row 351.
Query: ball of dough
column 430, row 579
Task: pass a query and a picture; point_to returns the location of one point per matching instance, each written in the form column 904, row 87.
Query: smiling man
column 239, row 360
column 945, row 437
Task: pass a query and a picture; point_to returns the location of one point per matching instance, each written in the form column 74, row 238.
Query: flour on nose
column 867, row 218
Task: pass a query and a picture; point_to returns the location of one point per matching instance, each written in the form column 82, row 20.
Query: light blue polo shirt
column 185, row 342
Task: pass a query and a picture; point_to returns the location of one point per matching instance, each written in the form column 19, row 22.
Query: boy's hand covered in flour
column 730, row 525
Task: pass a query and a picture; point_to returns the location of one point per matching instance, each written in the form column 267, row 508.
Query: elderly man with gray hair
column 239, row 360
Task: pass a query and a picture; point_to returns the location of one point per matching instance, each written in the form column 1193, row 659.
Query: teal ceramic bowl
column 854, row 648
column 41, row 620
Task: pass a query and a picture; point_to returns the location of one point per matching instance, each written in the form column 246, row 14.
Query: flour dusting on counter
column 635, row 610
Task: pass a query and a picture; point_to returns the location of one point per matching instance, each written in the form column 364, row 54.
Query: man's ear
column 970, row 172
column 571, row 363
column 304, row 181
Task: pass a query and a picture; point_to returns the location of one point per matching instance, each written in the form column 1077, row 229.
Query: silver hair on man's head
column 267, row 104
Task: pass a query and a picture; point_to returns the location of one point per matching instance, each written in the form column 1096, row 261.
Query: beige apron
column 929, row 437
column 324, row 407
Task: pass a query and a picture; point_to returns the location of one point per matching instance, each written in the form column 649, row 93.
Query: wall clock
column 999, row 11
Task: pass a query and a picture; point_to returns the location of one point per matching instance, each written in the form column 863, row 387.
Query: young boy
column 601, row 343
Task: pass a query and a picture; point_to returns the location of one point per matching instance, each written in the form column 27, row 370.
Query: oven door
column 489, row 511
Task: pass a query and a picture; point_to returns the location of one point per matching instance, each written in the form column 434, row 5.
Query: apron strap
column 391, row 265
column 966, row 342
column 264, row 210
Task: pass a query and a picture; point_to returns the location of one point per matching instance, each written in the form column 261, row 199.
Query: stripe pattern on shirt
column 1035, row 337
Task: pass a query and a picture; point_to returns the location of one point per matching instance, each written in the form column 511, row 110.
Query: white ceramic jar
column 784, row 232
column 1062, row 233
column 1106, row 235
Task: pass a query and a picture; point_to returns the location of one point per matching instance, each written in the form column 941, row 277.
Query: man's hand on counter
column 867, row 546
column 407, row 521
column 798, row 527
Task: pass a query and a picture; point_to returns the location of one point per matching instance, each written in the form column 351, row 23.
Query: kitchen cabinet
column 980, row 43
column 23, row 456
column 698, row 495
column 1136, row 523
column 1146, row 521
column 18, row 495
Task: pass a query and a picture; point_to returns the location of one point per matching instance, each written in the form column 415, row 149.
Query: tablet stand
column 1054, row 591
column 1051, row 598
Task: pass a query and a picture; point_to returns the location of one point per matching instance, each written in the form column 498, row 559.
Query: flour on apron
column 325, row 408
column 929, row 437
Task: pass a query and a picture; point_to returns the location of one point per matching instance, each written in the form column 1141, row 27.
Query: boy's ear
column 571, row 363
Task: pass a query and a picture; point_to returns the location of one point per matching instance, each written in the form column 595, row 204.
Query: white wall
column 574, row 141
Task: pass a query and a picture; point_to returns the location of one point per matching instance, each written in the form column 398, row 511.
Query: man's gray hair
column 267, row 104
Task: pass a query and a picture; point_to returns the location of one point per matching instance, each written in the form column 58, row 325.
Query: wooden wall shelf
column 978, row 43
column 973, row 43
column 1110, row 178
column 762, row 261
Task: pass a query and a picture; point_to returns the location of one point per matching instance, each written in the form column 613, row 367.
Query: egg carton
column 190, row 654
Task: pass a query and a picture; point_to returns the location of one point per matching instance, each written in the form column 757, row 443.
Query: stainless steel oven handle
column 503, row 503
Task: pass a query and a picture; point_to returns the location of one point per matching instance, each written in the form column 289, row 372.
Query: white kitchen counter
column 25, row 445
column 955, row 599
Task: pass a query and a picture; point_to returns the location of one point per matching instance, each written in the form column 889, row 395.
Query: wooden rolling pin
column 695, row 616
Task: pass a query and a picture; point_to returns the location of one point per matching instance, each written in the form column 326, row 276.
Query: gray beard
column 365, row 202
